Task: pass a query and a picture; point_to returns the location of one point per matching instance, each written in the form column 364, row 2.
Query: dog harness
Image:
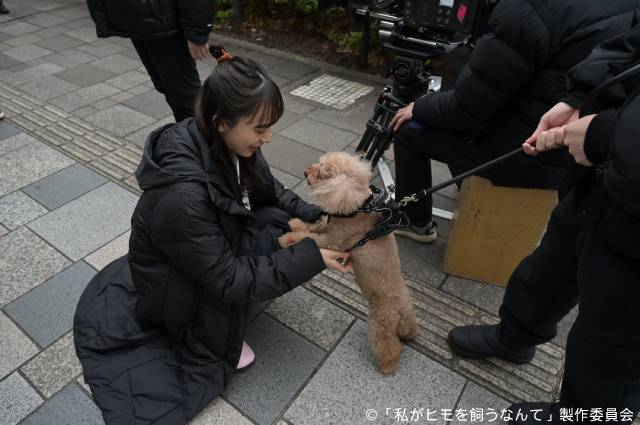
column 380, row 201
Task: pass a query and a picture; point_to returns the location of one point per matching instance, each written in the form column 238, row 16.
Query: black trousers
column 414, row 148
column 569, row 267
column 173, row 72
column 416, row 145
column 272, row 223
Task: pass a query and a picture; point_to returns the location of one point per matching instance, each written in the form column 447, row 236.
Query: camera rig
column 415, row 32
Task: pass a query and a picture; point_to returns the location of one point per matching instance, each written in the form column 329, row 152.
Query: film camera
column 414, row 31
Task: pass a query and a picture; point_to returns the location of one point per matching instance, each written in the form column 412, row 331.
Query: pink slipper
column 246, row 357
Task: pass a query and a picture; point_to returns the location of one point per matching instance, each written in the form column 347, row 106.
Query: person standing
column 589, row 253
column 169, row 36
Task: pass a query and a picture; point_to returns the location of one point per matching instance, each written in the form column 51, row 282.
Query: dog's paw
column 297, row 225
column 388, row 367
column 287, row 239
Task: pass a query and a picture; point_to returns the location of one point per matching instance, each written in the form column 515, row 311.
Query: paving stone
column 84, row 97
column 3, row 230
column 291, row 70
column 27, row 52
column 51, row 31
column 59, row 188
column 101, row 48
column 128, row 80
column 45, row 20
column 54, row 367
column 28, row 164
column 121, row 97
column 422, row 261
column 17, row 399
column 478, row 398
column 348, row 384
column 137, row 90
column 120, row 120
column 263, row 391
column 60, row 42
column 71, row 13
column 319, row 136
column 25, row 262
column 219, row 412
column 263, row 58
column 88, row 222
column 70, row 406
column 46, row 312
column 17, row 209
column 289, row 155
column 140, row 137
column 22, row 40
column 286, row 179
column 8, row 131
column 351, row 119
column 84, row 111
column 294, row 105
column 71, row 58
column 288, row 118
column 303, row 191
column 312, row 316
column 86, row 34
column 151, row 103
column 32, row 73
column 7, row 61
column 48, row 87
column 85, row 75
column 484, row 295
column 78, row 23
column 111, row 251
column 16, row 347
column 104, row 104
column 19, row 28
column 117, row 64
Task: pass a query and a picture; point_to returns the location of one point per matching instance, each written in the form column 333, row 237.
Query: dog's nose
column 306, row 174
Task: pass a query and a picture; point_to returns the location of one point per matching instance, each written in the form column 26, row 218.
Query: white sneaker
column 422, row 234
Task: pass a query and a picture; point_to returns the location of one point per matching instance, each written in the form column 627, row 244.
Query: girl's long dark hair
column 237, row 88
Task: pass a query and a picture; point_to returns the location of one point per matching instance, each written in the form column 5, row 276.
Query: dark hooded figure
column 160, row 332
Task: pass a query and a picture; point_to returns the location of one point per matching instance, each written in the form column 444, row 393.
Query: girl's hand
column 332, row 260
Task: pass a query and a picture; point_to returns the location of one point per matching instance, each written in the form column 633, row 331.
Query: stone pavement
column 79, row 109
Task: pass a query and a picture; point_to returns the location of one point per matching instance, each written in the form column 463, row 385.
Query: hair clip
column 219, row 53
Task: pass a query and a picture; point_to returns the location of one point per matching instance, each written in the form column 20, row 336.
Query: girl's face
column 246, row 137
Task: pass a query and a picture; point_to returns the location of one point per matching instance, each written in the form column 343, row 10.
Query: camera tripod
column 411, row 79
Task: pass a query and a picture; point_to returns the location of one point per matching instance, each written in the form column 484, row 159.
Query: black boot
column 530, row 413
column 3, row 10
column 481, row 341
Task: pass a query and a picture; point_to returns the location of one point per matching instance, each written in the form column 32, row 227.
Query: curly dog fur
column 339, row 185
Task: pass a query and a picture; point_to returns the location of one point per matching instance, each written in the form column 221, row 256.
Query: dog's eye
column 327, row 171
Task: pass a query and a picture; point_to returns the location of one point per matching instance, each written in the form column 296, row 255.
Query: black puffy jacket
column 192, row 243
column 610, row 192
column 159, row 332
column 517, row 71
column 153, row 19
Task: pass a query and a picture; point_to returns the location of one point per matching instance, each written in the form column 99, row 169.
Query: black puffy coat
column 153, row 19
column 159, row 333
column 517, row 72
